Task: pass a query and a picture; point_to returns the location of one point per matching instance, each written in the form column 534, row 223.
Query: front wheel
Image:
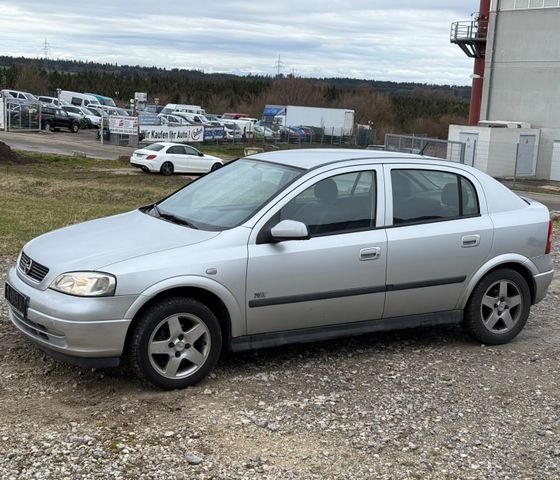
column 166, row 169
column 215, row 166
column 74, row 128
column 175, row 343
column 498, row 308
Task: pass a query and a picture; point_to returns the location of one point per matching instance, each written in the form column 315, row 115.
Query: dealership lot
column 424, row 403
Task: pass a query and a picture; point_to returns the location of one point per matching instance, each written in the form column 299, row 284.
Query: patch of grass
column 70, row 161
column 52, row 192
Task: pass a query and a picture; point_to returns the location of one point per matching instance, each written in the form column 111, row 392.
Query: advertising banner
column 165, row 133
column 213, row 133
column 123, row 125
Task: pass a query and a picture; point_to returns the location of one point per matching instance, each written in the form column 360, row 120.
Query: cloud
column 387, row 40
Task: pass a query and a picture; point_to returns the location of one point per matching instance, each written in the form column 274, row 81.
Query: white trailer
column 334, row 121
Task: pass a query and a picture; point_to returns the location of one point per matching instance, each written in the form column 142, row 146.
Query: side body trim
column 266, row 302
column 314, row 334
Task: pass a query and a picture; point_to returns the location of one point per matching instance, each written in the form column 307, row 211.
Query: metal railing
column 473, row 31
column 445, row 149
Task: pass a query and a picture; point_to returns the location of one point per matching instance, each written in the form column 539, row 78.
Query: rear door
column 439, row 234
column 337, row 276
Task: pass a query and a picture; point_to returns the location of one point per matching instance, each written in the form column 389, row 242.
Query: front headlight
column 85, row 284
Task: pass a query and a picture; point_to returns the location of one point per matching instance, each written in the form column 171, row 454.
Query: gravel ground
column 418, row 404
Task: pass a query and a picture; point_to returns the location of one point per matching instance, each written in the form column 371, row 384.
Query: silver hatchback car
column 285, row 247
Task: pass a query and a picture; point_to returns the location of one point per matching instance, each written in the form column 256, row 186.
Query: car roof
column 316, row 157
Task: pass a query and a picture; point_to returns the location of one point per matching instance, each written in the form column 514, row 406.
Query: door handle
column 370, row 253
column 470, row 241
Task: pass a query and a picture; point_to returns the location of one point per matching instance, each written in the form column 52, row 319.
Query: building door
column 525, row 164
column 555, row 164
column 470, row 140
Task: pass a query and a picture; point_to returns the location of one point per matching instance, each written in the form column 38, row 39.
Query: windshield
column 156, row 147
column 230, row 195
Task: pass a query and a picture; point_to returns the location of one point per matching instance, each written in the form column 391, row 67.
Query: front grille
column 31, row 268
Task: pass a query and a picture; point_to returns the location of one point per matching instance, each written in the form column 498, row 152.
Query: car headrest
column 450, row 195
column 326, row 190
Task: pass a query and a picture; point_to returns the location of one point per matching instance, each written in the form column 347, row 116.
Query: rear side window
column 176, row 149
column 431, row 195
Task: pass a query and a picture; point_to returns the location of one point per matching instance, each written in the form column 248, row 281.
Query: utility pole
column 46, row 47
column 279, row 63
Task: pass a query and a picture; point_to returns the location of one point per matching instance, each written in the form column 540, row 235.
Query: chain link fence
column 445, row 149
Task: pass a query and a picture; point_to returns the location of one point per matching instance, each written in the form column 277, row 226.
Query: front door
column 337, row 275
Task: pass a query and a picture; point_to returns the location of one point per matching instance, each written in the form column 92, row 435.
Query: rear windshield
column 156, row 147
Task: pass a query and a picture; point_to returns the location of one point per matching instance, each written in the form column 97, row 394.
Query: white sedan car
column 168, row 158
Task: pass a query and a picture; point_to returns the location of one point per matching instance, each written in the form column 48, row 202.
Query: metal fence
column 445, row 149
column 21, row 116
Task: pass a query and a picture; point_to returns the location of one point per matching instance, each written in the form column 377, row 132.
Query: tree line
column 391, row 107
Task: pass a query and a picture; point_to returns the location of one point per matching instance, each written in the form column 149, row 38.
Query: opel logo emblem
column 26, row 265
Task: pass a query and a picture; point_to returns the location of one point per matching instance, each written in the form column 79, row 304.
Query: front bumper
column 72, row 327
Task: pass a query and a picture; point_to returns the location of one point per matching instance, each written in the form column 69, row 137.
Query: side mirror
column 200, row 154
column 289, row 230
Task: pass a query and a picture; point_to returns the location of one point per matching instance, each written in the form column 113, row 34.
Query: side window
column 338, row 204
column 425, row 195
column 76, row 101
column 176, row 149
column 191, row 151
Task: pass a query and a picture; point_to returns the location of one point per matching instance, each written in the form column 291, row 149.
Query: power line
column 279, row 64
column 46, row 49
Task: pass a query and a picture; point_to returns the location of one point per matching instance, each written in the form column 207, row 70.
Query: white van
column 52, row 101
column 178, row 107
column 78, row 99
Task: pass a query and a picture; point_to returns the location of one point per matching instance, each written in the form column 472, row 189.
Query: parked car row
column 71, row 110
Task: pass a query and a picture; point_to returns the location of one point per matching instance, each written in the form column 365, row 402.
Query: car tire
column 74, row 128
column 48, row 126
column 498, row 308
column 167, row 169
column 215, row 166
column 175, row 343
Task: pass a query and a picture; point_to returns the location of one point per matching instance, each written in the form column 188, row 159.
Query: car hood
column 98, row 243
column 212, row 157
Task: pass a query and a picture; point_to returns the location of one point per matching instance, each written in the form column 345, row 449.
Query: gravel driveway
column 417, row 404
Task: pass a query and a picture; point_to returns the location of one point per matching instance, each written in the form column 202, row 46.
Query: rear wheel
column 499, row 307
column 166, row 169
column 48, row 126
column 175, row 343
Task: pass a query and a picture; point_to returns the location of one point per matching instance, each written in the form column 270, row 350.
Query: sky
column 398, row 40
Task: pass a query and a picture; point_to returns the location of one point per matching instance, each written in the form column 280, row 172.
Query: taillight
column 151, row 157
column 549, row 239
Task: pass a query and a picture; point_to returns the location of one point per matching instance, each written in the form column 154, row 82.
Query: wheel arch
column 514, row 262
column 216, row 297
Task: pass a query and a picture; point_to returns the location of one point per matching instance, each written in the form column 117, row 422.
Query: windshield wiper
column 155, row 208
column 175, row 219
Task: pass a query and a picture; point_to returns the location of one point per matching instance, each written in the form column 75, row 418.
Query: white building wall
column 496, row 148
